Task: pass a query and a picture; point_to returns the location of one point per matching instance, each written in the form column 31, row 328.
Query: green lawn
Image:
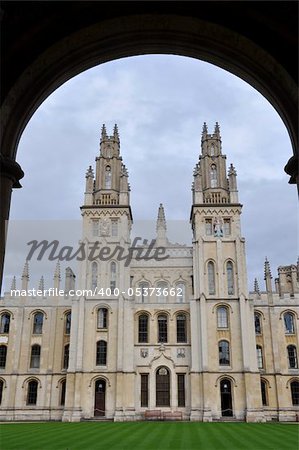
column 148, row 435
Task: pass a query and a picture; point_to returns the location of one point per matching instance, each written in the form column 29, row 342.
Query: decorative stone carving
column 181, row 353
column 218, row 227
column 144, row 352
column 105, row 227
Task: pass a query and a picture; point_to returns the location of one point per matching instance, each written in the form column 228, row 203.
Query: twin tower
column 110, row 186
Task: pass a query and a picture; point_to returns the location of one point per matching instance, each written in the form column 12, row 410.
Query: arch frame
column 199, row 33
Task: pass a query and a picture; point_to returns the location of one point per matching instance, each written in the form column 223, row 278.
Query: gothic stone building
column 176, row 334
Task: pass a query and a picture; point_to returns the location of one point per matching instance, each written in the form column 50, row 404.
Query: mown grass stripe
column 148, row 436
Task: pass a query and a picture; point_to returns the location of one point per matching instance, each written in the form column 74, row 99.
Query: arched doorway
column 162, row 387
column 226, row 398
column 100, row 398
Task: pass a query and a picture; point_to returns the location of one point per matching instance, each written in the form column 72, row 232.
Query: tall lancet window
column 213, row 175
column 112, row 277
column 94, row 275
column 108, row 177
column 230, row 278
column 211, row 278
column 212, row 150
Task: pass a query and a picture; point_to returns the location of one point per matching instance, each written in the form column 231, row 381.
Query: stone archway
column 50, row 42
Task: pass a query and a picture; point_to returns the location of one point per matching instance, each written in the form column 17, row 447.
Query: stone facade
column 177, row 331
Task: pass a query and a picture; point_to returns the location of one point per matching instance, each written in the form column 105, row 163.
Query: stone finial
column 70, row 278
column 89, row 172
column 57, row 276
column 232, row 171
column 161, row 239
column 13, row 284
column 267, row 269
column 217, row 129
column 25, row 276
column 41, row 285
column 204, row 129
column 256, row 288
column 161, row 221
column 124, row 171
column 103, row 132
column 196, row 170
column 25, row 273
column 115, row 133
column 57, row 271
column 268, row 276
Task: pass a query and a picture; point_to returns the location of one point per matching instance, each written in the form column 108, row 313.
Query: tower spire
column 256, row 288
column 232, row 184
column 268, row 275
column 115, row 133
column 161, row 227
column 57, row 277
column 13, row 283
column 25, row 276
column 103, row 132
column 41, row 285
column 204, row 131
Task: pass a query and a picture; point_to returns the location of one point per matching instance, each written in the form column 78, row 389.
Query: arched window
column 162, row 328
column 292, row 357
column 259, row 356
column 222, row 317
column 257, row 323
column 162, row 387
column 3, row 353
column 62, row 392
column 1, row 390
column 143, row 328
column 264, row 392
column 108, row 177
column 295, row 392
column 38, row 320
column 94, row 275
column 181, row 328
column 102, row 318
column 32, row 392
column 112, row 277
column 68, row 322
column 66, row 355
column 180, row 292
column 289, row 323
column 35, row 357
column 143, row 291
column 101, row 359
column 230, row 278
column 213, row 176
column 5, row 322
column 224, row 356
column 162, row 292
column 212, row 150
column 211, row 278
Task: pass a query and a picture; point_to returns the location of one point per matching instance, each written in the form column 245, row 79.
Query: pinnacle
column 25, row 273
column 57, row 270
column 161, row 221
column 267, row 269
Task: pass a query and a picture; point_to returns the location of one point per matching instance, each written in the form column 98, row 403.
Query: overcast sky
column 159, row 103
